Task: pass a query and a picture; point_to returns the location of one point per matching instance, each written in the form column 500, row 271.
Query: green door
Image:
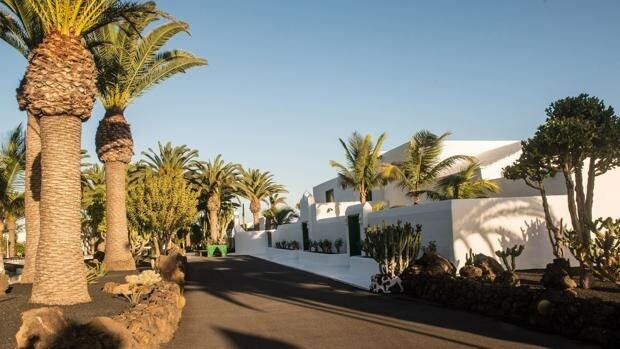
column 269, row 242
column 305, row 236
column 355, row 239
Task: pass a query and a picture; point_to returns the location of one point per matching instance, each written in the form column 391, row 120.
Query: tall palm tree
column 422, row 165
column 129, row 63
column 213, row 180
column 257, row 186
column 465, row 184
column 60, row 90
column 21, row 29
column 363, row 169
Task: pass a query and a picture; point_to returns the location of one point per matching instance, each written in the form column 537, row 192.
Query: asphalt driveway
column 245, row 302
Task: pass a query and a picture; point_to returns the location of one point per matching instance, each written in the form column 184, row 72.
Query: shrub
column 394, row 247
column 94, row 271
column 326, row 246
column 338, row 244
column 601, row 256
column 20, row 249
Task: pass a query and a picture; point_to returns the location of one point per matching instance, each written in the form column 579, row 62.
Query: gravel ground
column 15, row 302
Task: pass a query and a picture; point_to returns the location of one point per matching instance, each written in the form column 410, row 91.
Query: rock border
column 591, row 320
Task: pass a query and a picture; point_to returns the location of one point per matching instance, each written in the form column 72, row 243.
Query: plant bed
column 16, row 301
column 588, row 319
column 603, row 290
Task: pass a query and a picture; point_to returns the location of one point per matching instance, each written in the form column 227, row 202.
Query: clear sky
column 287, row 78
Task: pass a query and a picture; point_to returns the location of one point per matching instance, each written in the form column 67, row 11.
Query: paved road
column 244, row 302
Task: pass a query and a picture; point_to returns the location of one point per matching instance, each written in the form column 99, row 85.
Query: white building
column 492, row 155
column 513, row 216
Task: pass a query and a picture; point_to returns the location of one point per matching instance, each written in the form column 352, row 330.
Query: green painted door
column 355, row 239
column 269, row 242
column 305, row 236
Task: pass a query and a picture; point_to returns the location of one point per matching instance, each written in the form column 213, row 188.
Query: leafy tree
column 465, row 184
column 533, row 166
column 581, row 140
column 129, row 63
column 161, row 204
column 216, row 179
column 422, row 165
column 363, row 170
column 257, row 186
column 93, row 207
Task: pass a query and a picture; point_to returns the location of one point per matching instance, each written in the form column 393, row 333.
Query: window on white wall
column 369, row 196
column 329, row 196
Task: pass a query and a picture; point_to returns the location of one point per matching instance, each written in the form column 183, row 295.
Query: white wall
column 251, row 242
column 287, row 232
column 332, row 229
column 435, row 218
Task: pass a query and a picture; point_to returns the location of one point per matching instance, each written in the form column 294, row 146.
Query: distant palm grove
column 79, row 51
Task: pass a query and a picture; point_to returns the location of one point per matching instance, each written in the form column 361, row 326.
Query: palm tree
column 179, row 160
column 363, row 169
column 422, row 165
column 465, row 184
column 12, row 162
column 279, row 215
column 60, row 90
column 213, row 180
column 129, row 63
column 21, row 29
column 257, row 186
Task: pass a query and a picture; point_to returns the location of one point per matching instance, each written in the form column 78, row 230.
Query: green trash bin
column 212, row 248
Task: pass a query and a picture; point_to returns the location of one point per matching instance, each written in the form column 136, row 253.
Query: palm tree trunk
column 2, row 242
column 11, row 227
column 32, row 196
column 60, row 276
column 213, row 232
column 117, row 252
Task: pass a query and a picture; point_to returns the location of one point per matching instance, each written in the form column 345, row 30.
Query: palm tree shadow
column 249, row 277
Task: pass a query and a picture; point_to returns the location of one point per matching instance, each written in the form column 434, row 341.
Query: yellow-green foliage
column 161, row 203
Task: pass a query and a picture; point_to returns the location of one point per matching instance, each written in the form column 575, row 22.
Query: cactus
column 469, row 258
column 513, row 253
column 394, row 247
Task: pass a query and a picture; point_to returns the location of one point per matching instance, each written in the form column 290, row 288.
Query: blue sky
column 287, row 78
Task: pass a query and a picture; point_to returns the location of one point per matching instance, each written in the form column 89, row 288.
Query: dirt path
column 244, row 302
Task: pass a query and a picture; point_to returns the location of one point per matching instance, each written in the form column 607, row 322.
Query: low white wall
column 251, row 242
column 332, row 229
column 288, row 232
column 435, row 218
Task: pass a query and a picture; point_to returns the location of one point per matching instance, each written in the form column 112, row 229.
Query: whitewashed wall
column 435, row 218
column 287, row 232
column 332, row 229
column 251, row 242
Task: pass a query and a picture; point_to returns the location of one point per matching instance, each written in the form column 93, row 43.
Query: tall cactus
column 513, row 253
column 394, row 247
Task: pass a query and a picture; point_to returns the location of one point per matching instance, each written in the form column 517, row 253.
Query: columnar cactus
column 513, row 253
column 394, row 247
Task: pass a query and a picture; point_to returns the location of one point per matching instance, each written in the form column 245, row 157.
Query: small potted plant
column 338, row 244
